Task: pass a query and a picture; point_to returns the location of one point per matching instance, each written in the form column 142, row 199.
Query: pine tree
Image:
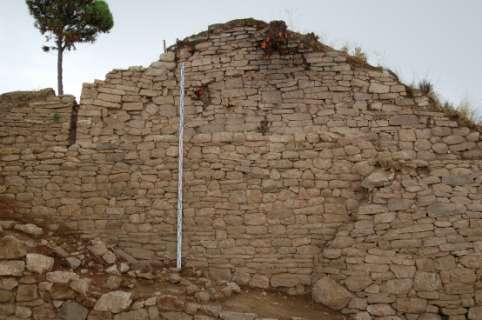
column 67, row 22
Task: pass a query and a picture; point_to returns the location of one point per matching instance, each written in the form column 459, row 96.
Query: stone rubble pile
column 40, row 279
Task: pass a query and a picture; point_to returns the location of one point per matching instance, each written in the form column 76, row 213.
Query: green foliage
column 98, row 14
column 56, row 117
column 68, row 22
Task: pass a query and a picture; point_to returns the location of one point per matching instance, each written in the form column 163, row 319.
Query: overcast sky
column 435, row 39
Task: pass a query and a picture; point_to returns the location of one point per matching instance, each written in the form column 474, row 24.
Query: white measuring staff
column 180, row 168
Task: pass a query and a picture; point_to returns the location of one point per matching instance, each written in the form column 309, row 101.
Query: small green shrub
column 56, row 117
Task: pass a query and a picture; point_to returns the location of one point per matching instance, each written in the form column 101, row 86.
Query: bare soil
column 280, row 306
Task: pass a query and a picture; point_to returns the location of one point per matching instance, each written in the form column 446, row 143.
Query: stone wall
column 414, row 245
column 299, row 165
column 34, row 121
column 34, row 135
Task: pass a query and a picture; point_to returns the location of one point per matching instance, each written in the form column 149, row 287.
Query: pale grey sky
column 435, row 39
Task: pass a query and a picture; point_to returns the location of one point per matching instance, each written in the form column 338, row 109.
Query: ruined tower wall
column 299, row 165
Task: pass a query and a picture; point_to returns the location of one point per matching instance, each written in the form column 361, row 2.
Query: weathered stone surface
column 220, row 274
column 371, row 209
column 378, row 178
column 39, row 263
column 379, row 88
column 411, row 305
column 30, row 229
column 259, row 281
column 230, row 315
column 27, row 292
column 427, row 281
column 398, row 286
column 399, row 204
column 330, row 293
column 114, row 301
column 140, row 314
column 362, row 316
column 73, row 311
column 12, row 248
column 475, row 313
column 61, row 292
column 12, row 268
column 73, row 262
column 23, row 312
column 5, row 296
column 63, row 277
column 404, row 120
column 176, row 316
column 380, row 310
column 440, row 209
column 97, row 247
column 8, row 283
column 80, row 286
column 284, row 280
column 202, row 296
column 357, row 283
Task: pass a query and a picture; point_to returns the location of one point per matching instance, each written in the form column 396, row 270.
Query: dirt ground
column 280, row 306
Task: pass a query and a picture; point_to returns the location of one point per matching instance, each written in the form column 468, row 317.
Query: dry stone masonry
column 306, row 170
column 58, row 276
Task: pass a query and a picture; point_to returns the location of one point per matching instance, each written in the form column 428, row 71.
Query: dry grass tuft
column 426, row 87
column 357, row 53
column 464, row 113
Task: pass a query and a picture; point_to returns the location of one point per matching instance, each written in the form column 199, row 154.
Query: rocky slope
column 48, row 273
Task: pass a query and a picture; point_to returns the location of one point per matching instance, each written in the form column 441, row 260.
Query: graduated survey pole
column 180, row 168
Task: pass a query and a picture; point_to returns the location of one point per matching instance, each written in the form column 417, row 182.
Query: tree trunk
column 60, row 53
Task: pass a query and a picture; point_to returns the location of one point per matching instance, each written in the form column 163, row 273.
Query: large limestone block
column 411, row 305
column 30, row 229
column 284, row 280
column 167, row 57
column 427, row 281
column 39, row 263
column 330, row 293
column 73, row 311
column 114, row 301
column 378, row 88
column 12, row 268
column 378, row 178
column 381, row 310
column 62, row 277
column 12, row 248
column 475, row 313
column 27, row 292
column 357, row 283
column 259, row 281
